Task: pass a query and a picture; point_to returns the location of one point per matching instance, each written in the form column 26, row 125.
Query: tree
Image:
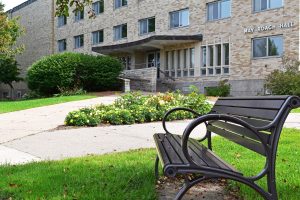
column 9, row 71
column 10, row 31
column 62, row 6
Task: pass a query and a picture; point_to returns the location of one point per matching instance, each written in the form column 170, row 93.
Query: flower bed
column 137, row 108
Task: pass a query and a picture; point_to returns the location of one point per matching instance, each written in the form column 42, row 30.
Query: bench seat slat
column 248, row 143
column 258, row 103
column 239, row 130
column 163, row 156
column 247, row 112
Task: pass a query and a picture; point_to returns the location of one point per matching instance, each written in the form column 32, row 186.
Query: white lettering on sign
column 269, row 27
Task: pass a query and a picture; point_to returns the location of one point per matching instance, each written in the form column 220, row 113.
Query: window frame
column 82, row 45
column 147, row 21
column 59, row 20
column 121, row 4
column 219, row 2
column 121, row 26
column 99, row 42
column 65, row 45
column 81, row 15
column 180, row 18
column 267, row 47
column 268, row 6
column 100, row 2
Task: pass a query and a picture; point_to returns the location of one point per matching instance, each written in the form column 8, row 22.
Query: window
column 218, row 10
column 79, row 15
column 192, row 61
column 98, row 7
column 120, row 3
column 226, row 53
column 260, row 5
column 267, row 46
column 79, row 41
column 185, row 58
column 120, row 32
column 97, row 37
column 214, row 59
column 126, row 61
column 62, row 20
column 179, row 18
column 147, row 25
column 62, row 45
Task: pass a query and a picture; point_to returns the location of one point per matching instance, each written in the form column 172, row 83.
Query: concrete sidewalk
column 20, row 124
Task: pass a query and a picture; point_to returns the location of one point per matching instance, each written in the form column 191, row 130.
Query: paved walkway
column 24, row 135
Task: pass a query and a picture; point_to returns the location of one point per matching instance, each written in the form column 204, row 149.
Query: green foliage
column 222, row 90
column 10, row 31
column 286, row 81
column 62, row 6
column 136, row 108
column 70, row 71
column 9, row 71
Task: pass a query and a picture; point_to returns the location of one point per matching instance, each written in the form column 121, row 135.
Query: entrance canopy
column 151, row 43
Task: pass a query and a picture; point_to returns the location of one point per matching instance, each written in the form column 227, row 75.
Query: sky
column 9, row 4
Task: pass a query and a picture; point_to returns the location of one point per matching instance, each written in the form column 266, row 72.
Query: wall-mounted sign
column 269, row 27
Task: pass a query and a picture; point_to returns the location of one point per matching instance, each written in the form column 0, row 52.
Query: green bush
column 286, row 81
column 222, row 90
column 71, row 71
column 136, row 108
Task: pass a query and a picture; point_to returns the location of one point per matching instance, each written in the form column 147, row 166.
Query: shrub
column 136, row 108
column 285, row 81
column 71, row 71
column 222, row 90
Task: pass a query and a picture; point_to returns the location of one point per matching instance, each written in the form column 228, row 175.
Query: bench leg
column 156, row 168
column 189, row 184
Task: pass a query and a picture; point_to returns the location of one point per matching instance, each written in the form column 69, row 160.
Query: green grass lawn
column 130, row 175
column 297, row 110
column 10, row 106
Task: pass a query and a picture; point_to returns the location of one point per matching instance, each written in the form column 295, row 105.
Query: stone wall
column 142, row 79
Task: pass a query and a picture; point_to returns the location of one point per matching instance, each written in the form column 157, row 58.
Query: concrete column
column 162, row 62
column 215, row 56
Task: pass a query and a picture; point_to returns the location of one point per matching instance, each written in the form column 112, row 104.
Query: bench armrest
column 209, row 117
column 175, row 110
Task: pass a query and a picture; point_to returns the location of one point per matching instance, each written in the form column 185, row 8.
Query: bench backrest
column 257, row 111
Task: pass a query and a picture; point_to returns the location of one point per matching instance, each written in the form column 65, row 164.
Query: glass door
column 153, row 60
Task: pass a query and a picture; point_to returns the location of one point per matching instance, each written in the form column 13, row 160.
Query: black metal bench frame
column 269, row 146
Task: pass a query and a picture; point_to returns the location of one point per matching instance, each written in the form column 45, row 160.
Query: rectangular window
column 211, row 55
column 226, row 53
column 147, row 26
column 172, row 60
column 204, row 56
column 178, row 60
column 62, row 45
column 218, row 10
column 126, row 61
column 185, row 57
column 219, row 57
column 79, row 41
column 98, row 7
column 267, row 46
column 79, row 15
column 179, row 18
column 97, row 37
column 120, row 32
column 167, row 61
column 120, row 3
column 62, row 20
column 192, row 57
column 261, row 5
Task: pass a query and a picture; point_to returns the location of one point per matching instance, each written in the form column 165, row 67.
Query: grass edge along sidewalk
column 131, row 174
column 11, row 106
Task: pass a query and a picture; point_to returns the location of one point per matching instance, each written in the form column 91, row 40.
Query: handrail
column 168, row 77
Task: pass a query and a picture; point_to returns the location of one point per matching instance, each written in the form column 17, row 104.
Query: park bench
column 252, row 122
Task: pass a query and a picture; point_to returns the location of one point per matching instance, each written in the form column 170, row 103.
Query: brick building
column 170, row 44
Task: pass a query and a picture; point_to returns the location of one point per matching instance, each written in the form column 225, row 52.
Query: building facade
column 171, row 44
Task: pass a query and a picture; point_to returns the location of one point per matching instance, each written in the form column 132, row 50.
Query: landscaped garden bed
column 137, row 108
column 130, row 175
